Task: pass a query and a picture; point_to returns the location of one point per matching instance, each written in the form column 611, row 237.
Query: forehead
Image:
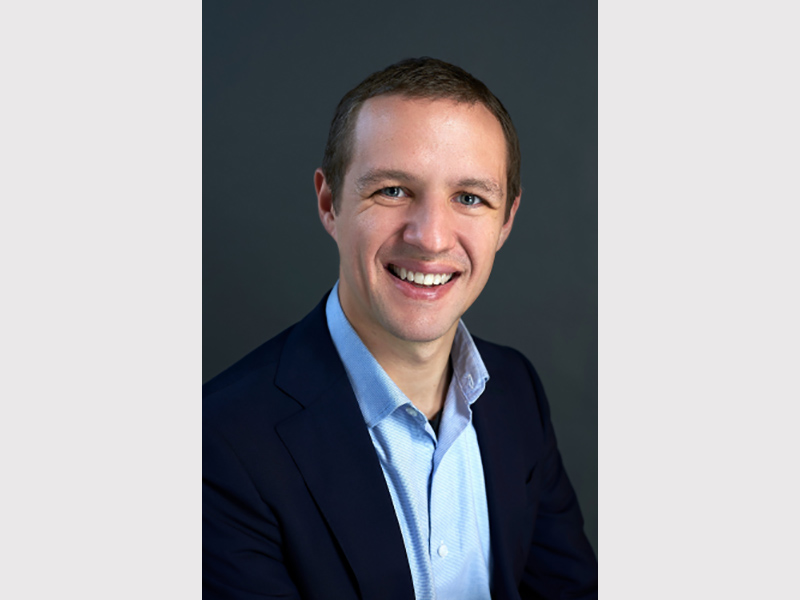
column 439, row 136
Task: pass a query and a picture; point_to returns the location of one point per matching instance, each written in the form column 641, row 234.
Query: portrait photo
column 272, row 80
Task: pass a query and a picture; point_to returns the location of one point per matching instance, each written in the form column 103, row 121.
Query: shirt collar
column 377, row 395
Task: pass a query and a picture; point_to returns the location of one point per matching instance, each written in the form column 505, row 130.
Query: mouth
column 419, row 279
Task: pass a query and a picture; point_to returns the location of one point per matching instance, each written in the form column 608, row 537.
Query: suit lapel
column 331, row 447
column 497, row 428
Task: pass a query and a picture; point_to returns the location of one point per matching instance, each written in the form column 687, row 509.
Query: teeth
column 426, row 279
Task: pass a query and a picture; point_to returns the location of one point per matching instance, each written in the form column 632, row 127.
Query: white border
column 698, row 299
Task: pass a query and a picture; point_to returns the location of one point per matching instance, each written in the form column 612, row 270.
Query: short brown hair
column 415, row 78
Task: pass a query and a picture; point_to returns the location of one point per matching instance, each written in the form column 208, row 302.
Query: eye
column 469, row 199
column 392, row 192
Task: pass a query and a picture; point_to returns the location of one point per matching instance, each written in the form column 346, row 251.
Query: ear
column 506, row 229
column 325, row 203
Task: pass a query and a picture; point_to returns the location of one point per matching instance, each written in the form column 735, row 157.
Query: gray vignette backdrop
column 273, row 73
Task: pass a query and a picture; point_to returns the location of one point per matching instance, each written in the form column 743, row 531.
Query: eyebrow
column 487, row 186
column 375, row 176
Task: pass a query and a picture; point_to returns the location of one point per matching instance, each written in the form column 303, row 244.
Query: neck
column 421, row 370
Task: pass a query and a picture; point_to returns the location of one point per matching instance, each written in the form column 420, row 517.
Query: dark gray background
column 272, row 76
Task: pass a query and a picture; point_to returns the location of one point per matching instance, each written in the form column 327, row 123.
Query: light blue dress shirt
column 436, row 483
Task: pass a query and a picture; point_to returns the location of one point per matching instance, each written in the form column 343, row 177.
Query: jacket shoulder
column 246, row 390
column 257, row 362
column 514, row 377
column 505, row 363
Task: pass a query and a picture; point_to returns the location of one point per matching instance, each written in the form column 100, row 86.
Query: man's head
column 419, row 212
column 427, row 78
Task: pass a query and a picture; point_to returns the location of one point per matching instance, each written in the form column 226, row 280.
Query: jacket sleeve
column 242, row 556
column 561, row 562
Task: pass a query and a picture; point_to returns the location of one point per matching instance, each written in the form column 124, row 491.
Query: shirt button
column 442, row 550
column 411, row 411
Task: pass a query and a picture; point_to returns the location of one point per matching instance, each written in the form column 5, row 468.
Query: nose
column 430, row 225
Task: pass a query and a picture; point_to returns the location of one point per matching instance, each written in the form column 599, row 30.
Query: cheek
column 359, row 244
column 481, row 246
column 376, row 231
column 352, row 235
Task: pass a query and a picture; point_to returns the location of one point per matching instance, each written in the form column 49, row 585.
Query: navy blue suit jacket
column 295, row 504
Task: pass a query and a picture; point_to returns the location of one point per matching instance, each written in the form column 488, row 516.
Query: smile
column 424, row 279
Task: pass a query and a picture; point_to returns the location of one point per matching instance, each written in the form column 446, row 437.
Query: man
column 375, row 449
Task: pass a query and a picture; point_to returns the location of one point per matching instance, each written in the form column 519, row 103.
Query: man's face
column 424, row 194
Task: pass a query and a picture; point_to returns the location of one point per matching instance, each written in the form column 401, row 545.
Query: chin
column 420, row 332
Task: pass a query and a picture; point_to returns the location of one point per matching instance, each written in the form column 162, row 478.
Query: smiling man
column 376, row 449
